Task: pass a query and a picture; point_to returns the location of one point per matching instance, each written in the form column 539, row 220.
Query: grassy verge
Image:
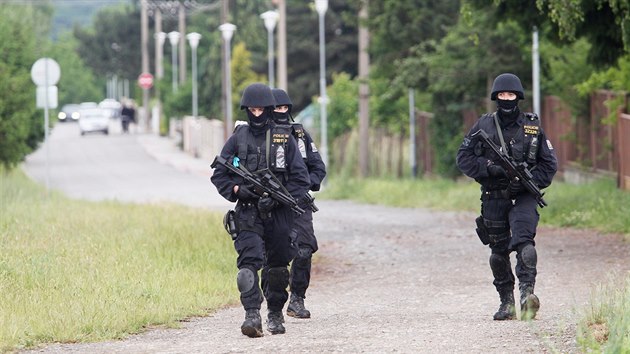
column 599, row 205
column 73, row 271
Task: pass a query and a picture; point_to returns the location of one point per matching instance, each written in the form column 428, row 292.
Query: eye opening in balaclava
column 282, row 117
column 507, row 109
column 259, row 123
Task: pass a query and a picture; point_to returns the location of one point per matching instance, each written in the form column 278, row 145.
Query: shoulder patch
column 313, row 147
column 549, row 145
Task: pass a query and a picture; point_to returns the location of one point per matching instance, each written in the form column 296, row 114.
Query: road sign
column 145, row 81
column 45, row 72
column 46, row 95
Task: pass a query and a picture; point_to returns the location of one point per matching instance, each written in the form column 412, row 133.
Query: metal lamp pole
column 270, row 18
column 160, row 38
column 193, row 40
column 173, row 37
column 321, row 6
column 227, row 31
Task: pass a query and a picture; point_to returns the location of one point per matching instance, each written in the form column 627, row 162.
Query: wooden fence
column 623, row 154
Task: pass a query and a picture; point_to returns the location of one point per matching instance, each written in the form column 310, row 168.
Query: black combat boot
column 529, row 301
column 296, row 307
column 274, row 322
column 252, row 326
column 506, row 310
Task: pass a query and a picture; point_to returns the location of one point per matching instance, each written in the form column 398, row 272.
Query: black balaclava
column 508, row 110
column 282, row 117
column 258, row 125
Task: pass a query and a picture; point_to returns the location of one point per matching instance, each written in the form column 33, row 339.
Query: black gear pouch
column 482, row 231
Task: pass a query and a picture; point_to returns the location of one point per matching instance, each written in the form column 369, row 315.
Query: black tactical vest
column 267, row 151
column 523, row 147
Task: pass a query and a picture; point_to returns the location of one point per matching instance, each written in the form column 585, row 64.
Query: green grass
column 599, row 205
column 74, row 271
column 604, row 327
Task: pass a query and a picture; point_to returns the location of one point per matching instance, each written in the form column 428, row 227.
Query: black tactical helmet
column 257, row 95
column 282, row 98
column 507, row 83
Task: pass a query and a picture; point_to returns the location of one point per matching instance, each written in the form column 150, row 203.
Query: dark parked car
column 69, row 113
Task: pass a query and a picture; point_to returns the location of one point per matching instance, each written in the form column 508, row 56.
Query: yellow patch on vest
column 531, row 129
column 279, row 138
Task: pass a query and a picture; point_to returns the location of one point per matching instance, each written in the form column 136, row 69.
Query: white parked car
column 94, row 120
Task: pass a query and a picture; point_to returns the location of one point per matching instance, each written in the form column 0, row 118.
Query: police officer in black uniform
column 509, row 216
column 263, row 238
column 304, row 233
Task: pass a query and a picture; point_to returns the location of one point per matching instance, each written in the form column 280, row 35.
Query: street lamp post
column 173, row 37
column 270, row 18
column 160, row 38
column 193, row 40
column 321, row 6
column 227, row 30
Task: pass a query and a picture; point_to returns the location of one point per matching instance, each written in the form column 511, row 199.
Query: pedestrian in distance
column 127, row 115
column 303, row 232
column 262, row 237
column 509, row 201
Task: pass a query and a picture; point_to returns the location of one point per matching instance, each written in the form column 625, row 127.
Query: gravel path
column 407, row 280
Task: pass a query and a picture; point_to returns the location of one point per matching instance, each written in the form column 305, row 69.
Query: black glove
column 515, row 188
column 266, row 204
column 496, row 171
column 246, row 192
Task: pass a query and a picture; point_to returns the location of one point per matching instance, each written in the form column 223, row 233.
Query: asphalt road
column 126, row 167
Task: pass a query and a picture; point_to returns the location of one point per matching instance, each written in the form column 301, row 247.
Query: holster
column 229, row 222
column 482, row 231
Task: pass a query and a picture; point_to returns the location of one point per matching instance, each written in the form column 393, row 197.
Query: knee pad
column 500, row 265
column 304, row 253
column 246, row 279
column 278, row 277
column 528, row 256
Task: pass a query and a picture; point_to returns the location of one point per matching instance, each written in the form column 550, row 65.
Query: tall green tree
column 604, row 23
column 77, row 82
column 112, row 45
column 21, row 125
column 341, row 31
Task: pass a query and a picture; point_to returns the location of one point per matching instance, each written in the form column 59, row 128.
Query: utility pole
column 144, row 45
column 364, row 92
column 282, row 44
column 225, row 10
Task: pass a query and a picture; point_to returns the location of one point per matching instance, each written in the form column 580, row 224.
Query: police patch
column 549, row 145
column 313, row 147
column 531, row 129
column 280, row 138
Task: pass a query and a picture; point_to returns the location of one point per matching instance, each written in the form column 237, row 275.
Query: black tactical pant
column 267, row 244
column 521, row 219
column 306, row 244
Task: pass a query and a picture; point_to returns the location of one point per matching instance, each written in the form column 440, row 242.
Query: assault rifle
column 516, row 172
column 265, row 184
column 311, row 202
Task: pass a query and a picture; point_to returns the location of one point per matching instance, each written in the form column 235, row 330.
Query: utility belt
column 495, row 194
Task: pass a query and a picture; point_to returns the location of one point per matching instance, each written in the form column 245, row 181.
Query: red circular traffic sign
column 145, row 81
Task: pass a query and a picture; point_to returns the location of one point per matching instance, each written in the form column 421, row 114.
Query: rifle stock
column 516, row 171
column 265, row 184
